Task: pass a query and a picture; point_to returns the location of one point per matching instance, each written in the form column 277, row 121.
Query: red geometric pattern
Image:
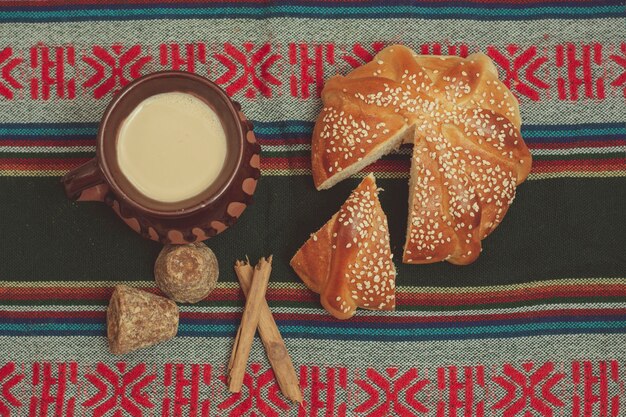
column 121, row 391
column 9, row 378
column 360, row 54
column 182, row 57
column 183, row 385
column 51, row 394
column 572, row 60
column 248, row 69
column 8, row 63
column 566, row 71
column 325, row 391
column 619, row 57
column 461, row 396
column 114, row 67
column 391, row 393
column 259, row 396
column 593, row 382
column 577, row 389
column 436, row 48
column 529, row 390
column 307, row 63
column 50, row 72
column 521, row 69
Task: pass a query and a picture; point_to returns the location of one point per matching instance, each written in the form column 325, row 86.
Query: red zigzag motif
column 548, row 389
column 9, row 378
column 566, row 71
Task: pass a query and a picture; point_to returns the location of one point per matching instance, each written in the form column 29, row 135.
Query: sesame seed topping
column 363, row 237
column 476, row 108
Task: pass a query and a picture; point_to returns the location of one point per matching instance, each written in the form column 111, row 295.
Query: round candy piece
column 186, row 273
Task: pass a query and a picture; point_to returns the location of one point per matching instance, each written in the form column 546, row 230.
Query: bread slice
column 359, row 122
column 349, row 260
column 392, row 143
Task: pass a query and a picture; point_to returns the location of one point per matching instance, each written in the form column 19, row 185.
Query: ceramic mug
column 194, row 219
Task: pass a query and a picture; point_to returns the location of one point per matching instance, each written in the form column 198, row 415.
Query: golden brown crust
column 347, row 130
column 348, row 261
column 311, row 262
column 468, row 155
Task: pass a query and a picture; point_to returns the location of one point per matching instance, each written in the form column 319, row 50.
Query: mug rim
column 105, row 126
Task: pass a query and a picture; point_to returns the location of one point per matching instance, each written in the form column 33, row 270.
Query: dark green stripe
column 562, row 228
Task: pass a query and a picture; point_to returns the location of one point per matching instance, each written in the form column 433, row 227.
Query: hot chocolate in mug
column 176, row 159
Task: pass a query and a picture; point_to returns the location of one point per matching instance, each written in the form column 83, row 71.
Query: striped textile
column 535, row 327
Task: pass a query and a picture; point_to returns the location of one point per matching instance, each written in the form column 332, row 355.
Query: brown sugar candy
column 186, row 273
column 137, row 319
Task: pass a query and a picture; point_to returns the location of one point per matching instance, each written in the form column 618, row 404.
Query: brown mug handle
column 85, row 183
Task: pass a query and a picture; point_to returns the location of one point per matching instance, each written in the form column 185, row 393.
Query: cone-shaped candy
column 137, row 319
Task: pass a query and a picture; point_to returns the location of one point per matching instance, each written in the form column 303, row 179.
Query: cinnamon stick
column 249, row 324
column 272, row 340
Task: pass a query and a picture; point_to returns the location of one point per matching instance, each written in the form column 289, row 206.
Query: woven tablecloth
column 535, row 327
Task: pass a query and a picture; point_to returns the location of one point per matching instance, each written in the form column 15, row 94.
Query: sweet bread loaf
column 468, row 154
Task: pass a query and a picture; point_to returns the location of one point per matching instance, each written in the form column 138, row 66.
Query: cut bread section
column 349, row 261
column 392, row 143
